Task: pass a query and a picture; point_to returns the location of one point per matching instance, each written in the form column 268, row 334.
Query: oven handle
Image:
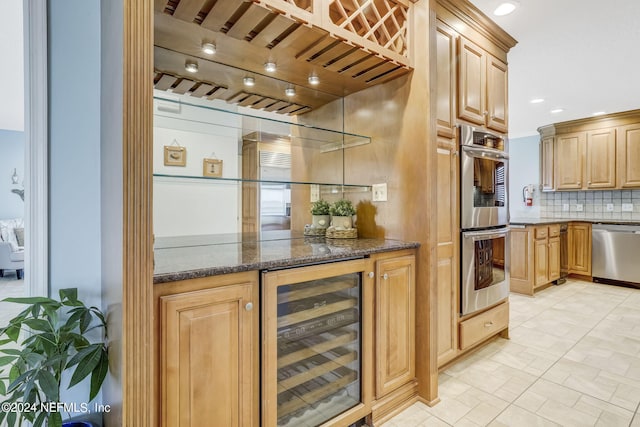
column 485, row 152
column 485, row 235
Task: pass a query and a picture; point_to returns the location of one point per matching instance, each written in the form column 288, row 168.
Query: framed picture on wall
column 175, row 155
column 212, row 168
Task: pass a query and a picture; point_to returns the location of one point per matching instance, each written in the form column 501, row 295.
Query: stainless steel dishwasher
column 616, row 253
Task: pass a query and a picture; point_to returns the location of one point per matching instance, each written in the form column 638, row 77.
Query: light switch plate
column 579, row 207
column 609, row 207
column 627, row 207
column 379, row 192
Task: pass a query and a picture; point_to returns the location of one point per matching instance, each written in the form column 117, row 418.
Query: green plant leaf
column 85, row 321
column 11, row 351
column 39, row 421
column 28, row 388
column 82, row 354
column 31, row 300
column 14, row 373
column 98, row 375
column 48, row 385
column 2, row 415
column 70, row 294
column 11, row 418
column 3, row 390
column 13, row 332
column 38, row 325
column 54, row 420
column 85, row 366
column 34, row 359
column 5, row 360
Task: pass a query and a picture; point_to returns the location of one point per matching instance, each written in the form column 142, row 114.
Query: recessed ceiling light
column 191, row 66
column 314, row 80
column 505, row 8
column 290, row 91
column 209, row 48
column 599, row 113
column 557, row 110
column 270, row 67
column 537, row 100
column 249, row 81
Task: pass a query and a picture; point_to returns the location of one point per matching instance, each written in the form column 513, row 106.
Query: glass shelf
column 296, row 133
column 325, row 187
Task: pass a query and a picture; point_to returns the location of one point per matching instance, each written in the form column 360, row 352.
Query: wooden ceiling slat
column 237, row 97
column 271, row 31
column 250, row 100
column 300, row 111
column 160, row 5
column 219, row 93
column 315, row 48
column 347, row 60
column 334, row 52
column 290, row 108
column 202, row 90
column 165, row 82
column 248, row 21
column 363, row 65
column 387, row 77
column 220, row 14
column 187, row 10
column 265, row 103
column 300, row 39
column 184, row 86
column 380, row 69
column 277, row 106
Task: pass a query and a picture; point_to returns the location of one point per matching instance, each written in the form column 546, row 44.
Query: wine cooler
column 312, row 354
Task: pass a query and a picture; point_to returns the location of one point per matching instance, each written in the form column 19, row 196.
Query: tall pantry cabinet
column 470, row 86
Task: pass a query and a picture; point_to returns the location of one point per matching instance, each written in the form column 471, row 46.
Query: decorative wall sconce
column 14, row 177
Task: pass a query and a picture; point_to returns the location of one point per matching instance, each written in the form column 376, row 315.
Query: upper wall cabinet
column 592, row 154
column 482, row 87
column 346, row 45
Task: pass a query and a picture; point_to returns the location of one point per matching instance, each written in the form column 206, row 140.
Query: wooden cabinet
column 395, row 323
column 535, row 257
column 579, row 243
column 445, row 80
column 482, row 87
column 568, row 161
column 547, row 164
column 600, row 159
column 209, row 341
column 628, row 156
column 484, row 325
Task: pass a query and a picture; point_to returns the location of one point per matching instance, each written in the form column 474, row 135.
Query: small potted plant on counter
column 342, row 213
column 56, row 338
column 320, row 213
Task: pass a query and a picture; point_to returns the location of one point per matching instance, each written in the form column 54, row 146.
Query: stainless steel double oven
column 484, row 218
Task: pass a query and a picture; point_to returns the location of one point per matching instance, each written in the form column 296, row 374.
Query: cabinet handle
column 385, row 276
column 579, row 183
column 249, row 306
column 488, row 324
column 371, row 274
column 589, row 183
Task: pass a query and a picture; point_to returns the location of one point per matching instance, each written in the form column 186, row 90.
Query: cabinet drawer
column 554, row 230
column 484, row 325
column 541, row 233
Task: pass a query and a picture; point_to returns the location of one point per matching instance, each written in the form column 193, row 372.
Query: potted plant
column 320, row 213
column 342, row 213
column 56, row 340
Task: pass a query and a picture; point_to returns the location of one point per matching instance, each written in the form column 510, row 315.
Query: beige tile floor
column 573, row 360
column 10, row 287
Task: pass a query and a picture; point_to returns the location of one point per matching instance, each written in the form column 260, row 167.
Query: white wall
column 183, row 206
column 74, row 149
column 12, row 66
column 524, row 168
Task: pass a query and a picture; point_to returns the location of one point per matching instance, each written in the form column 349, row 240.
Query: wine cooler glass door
column 312, row 334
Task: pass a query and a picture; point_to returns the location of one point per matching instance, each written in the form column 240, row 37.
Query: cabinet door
column 497, row 95
column 580, row 248
column 568, row 161
column 546, row 158
column 541, row 256
column 522, row 260
column 554, row 259
column 601, row 158
column 471, row 82
column 395, row 323
column 629, row 156
column 209, row 357
column 448, row 253
column 445, row 77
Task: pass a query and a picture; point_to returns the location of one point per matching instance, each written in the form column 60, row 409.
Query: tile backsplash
column 595, row 204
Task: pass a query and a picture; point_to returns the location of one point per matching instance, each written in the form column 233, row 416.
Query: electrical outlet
column 609, row 207
column 579, row 207
column 379, row 192
column 315, row 192
column 565, row 207
column 627, row 207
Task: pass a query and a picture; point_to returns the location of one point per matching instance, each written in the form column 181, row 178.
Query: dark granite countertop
column 541, row 221
column 190, row 257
